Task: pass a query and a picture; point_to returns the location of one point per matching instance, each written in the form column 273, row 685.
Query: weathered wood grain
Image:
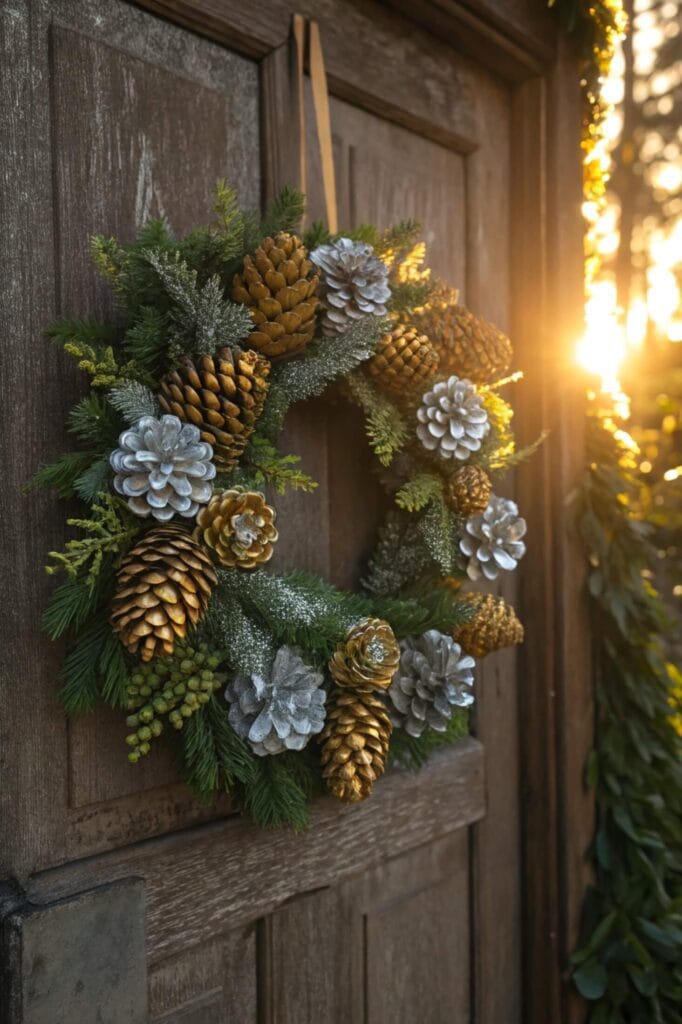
column 354, row 37
column 206, row 880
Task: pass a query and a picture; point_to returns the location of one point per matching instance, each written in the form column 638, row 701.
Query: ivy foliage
column 630, row 963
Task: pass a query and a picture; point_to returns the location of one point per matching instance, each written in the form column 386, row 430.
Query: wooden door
column 407, row 908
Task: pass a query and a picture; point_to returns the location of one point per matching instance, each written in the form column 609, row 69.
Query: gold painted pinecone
column 279, row 285
column 494, row 625
column 239, row 527
column 404, row 359
column 469, row 490
column 223, row 395
column 354, row 744
column 163, row 587
column 368, row 658
column 467, row 345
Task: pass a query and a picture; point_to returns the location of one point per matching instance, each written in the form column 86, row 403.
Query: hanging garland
column 270, row 685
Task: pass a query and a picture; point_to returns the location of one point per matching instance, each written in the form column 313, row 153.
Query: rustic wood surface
column 206, row 880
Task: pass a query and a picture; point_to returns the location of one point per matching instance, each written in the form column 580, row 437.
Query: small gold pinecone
column 494, row 625
column 368, row 658
column 354, row 744
column 469, row 490
column 239, row 526
column 467, row 345
column 163, row 588
column 404, row 359
column 278, row 284
column 223, row 395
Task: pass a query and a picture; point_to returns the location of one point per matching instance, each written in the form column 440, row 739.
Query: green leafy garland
column 172, row 295
column 630, row 965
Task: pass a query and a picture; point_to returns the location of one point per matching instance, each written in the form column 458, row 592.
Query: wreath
column 274, row 686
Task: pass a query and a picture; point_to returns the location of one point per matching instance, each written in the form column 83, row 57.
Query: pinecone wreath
column 469, row 490
column 494, row 625
column 467, row 345
column 356, row 737
column 404, row 360
column 239, row 527
column 278, row 284
column 354, row 744
column 222, row 395
column 163, row 588
column 355, row 283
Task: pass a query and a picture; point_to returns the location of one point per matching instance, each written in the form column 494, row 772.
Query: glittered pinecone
column 494, row 625
column 433, row 678
column 222, row 395
column 452, row 419
column 493, row 539
column 163, row 468
column 367, row 659
column 239, row 527
column 163, row 588
column 280, row 709
column 354, row 744
column 354, row 283
column 278, row 284
column 467, row 345
column 469, row 490
column 404, row 359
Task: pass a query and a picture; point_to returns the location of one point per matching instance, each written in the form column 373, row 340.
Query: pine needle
column 413, row 752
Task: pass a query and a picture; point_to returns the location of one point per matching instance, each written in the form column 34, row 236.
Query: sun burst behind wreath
column 273, row 686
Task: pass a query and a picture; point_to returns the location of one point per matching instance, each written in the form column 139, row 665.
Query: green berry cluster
column 176, row 686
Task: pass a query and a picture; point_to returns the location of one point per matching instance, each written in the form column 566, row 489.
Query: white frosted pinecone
column 354, row 283
column 493, row 539
column 279, row 710
column 433, row 677
column 452, row 419
column 163, row 467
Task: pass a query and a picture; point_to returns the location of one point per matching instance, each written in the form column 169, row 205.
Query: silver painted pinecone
column 493, row 539
column 163, row 467
column 354, row 283
column 279, row 710
column 433, row 677
column 452, row 419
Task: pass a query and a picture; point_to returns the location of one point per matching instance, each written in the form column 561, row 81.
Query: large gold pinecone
column 404, row 359
column 354, row 743
column 469, row 490
column 223, row 395
column 279, row 285
column 239, row 527
column 467, row 345
column 494, row 625
column 368, row 658
column 163, row 587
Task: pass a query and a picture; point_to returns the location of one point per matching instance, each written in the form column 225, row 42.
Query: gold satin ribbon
column 305, row 31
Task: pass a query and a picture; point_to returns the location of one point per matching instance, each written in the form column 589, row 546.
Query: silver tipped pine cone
column 493, row 539
column 433, row 677
column 452, row 419
column 281, row 709
column 355, row 283
column 163, row 467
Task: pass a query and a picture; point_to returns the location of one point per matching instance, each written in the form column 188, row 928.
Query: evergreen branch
column 145, row 340
column 396, row 242
column 280, row 792
column 62, row 474
column 113, row 670
column 263, row 464
column 284, row 213
column 133, row 400
column 439, row 529
column 72, row 603
column 331, row 358
column 203, row 320
column 406, row 295
column 93, row 481
column 87, row 343
column 504, row 461
column 419, row 491
column 385, row 425
column 213, row 756
column 107, row 533
column 79, row 675
column 399, row 558
column 245, row 641
column 93, row 421
column 317, row 234
column 413, row 752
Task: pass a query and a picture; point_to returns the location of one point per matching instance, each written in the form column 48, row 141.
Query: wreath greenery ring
column 270, row 686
